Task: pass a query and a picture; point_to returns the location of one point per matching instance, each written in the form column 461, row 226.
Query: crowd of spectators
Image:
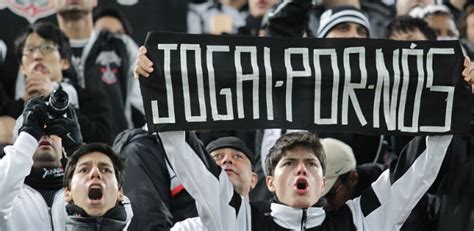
column 91, row 56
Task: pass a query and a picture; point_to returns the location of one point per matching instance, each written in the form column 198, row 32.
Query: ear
column 120, row 196
column 270, row 185
column 353, row 178
column 65, row 64
column 254, row 180
column 67, row 195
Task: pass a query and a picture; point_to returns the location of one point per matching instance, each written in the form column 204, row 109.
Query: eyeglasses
column 45, row 49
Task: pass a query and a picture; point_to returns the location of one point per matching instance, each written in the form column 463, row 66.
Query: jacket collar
column 78, row 219
column 293, row 218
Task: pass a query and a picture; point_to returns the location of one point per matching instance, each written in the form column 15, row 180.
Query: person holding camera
column 31, row 172
column 44, row 53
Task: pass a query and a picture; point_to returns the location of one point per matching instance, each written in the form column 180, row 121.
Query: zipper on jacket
column 98, row 223
column 51, row 216
column 303, row 220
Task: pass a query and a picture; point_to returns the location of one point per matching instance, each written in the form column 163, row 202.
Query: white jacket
column 22, row 207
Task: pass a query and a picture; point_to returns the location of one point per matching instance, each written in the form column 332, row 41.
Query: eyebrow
column 296, row 159
column 41, row 44
column 89, row 163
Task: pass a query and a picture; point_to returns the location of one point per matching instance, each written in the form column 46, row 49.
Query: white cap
column 340, row 159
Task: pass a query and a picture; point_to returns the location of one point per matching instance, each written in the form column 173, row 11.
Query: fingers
column 37, row 85
column 468, row 72
column 143, row 66
column 467, row 61
column 142, row 50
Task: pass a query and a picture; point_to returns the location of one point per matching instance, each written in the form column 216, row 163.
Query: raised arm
column 219, row 206
column 18, row 159
column 390, row 199
column 289, row 18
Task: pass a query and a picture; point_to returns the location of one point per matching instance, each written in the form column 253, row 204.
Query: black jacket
column 78, row 220
column 158, row 199
column 106, row 67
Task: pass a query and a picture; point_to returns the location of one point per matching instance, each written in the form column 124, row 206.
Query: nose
column 301, row 169
column 37, row 54
column 226, row 160
column 95, row 173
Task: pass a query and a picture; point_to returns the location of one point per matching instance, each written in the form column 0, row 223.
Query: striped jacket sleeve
column 390, row 199
column 218, row 205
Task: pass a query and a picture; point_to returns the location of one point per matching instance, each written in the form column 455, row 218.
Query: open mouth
column 301, row 186
column 40, row 68
column 95, row 192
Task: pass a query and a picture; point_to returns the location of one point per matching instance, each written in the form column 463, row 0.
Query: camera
column 58, row 104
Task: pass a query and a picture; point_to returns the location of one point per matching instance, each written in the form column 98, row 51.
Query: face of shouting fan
column 297, row 179
column 94, row 186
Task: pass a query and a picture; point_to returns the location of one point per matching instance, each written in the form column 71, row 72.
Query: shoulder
column 341, row 219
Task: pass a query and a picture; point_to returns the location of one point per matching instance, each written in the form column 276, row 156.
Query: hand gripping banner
column 348, row 85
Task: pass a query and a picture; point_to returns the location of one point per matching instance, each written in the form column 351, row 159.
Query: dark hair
column 115, row 13
column 290, row 141
column 409, row 24
column 118, row 162
column 48, row 32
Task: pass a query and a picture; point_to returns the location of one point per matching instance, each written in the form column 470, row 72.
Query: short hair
column 114, row 13
column 290, row 141
column 409, row 24
column 117, row 161
column 49, row 32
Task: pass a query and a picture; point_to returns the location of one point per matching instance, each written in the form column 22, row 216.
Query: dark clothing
column 451, row 205
column 78, row 220
column 9, row 107
column 368, row 173
column 105, row 66
column 94, row 116
column 158, row 199
column 290, row 20
column 252, row 26
column 108, row 74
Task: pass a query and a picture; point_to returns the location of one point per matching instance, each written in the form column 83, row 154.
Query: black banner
column 349, row 85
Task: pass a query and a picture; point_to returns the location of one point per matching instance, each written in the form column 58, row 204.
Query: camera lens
column 59, row 101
